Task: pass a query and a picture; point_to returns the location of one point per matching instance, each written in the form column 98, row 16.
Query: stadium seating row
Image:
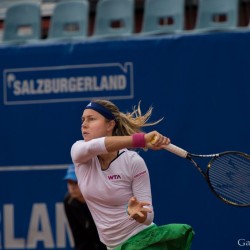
column 115, row 18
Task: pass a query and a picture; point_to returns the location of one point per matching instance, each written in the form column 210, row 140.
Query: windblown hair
column 128, row 123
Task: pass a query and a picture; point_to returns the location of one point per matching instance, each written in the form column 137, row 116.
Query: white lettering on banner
column 243, row 243
column 9, row 238
column 62, row 227
column 67, row 85
column 39, row 230
column 39, row 216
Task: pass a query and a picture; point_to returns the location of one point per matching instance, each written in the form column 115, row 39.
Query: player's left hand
column 136, row 209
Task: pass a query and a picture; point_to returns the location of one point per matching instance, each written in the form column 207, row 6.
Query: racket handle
column 176, row 150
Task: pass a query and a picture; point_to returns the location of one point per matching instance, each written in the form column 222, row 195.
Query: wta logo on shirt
column 114, row 177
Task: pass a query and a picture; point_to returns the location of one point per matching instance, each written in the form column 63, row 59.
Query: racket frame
column 189, row 156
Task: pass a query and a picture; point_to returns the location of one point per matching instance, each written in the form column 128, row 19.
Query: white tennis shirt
column 107, row 192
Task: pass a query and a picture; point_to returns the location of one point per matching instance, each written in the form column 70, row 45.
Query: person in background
column 79, row 217
column 115, row 179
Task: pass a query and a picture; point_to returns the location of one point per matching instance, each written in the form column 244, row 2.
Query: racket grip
column 176, row 150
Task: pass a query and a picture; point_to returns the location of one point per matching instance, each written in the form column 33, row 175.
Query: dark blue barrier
column 198, row 83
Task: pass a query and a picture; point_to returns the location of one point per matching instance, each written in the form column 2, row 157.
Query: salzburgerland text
column 68, row 83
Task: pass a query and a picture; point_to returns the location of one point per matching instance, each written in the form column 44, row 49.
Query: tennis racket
column 227, row 174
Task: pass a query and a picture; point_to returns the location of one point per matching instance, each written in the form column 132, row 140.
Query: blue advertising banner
column 199, row 83
column 32, row 212
column 68, row 83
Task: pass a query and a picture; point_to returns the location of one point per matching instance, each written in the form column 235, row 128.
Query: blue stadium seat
column 217, row 15
column 69, row 20
column 163, row 16
column 22, row 22
column 114, row 18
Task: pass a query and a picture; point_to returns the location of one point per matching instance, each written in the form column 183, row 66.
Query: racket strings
column 229, row 176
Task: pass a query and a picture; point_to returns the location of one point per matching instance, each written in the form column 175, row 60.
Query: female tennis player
column 115, row 180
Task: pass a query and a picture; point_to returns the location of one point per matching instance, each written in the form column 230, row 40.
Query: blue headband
column 101, row 110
